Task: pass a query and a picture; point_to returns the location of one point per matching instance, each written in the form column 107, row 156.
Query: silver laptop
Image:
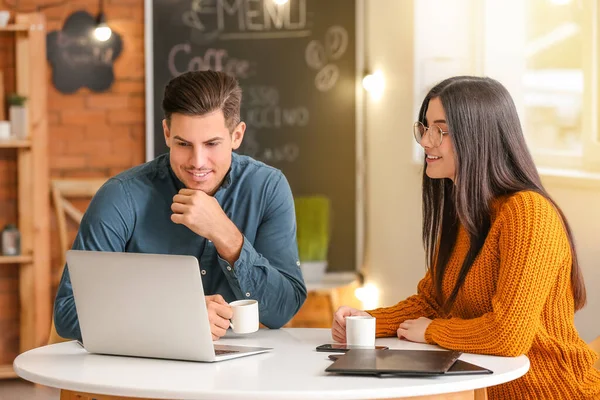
column 144, row 305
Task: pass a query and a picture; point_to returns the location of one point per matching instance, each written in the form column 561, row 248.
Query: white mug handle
column 231, row 325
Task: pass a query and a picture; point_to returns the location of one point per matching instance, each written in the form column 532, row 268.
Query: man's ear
column 166, row 132
column 238, row 135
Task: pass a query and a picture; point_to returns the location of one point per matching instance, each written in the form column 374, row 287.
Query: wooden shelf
column 15, row 28
column 15, row 143
column 15, row 259
column 33, row 201
column 7, row 372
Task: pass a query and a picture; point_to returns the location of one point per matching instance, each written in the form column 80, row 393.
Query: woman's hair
column 492, row 160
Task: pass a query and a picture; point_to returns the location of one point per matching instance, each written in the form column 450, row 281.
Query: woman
column 502, row 276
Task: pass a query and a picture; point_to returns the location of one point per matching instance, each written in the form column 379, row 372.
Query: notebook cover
column 461, row 367
column 396, row 362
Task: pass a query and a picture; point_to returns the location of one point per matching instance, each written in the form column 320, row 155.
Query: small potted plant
column 313, row 230
column 18, row 115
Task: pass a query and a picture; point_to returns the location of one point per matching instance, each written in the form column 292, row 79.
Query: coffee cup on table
column 360, row 331
column 245, row 316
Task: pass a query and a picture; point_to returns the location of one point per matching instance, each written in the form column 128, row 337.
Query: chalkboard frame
column 359, row 115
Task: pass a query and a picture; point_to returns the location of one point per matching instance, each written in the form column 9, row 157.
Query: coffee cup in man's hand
column 245, row 316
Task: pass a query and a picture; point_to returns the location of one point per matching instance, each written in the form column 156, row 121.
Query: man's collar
column 229, row 175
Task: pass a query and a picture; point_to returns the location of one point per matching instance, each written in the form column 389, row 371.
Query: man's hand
column 199, row 212
column 203, row 215
column 338, row 327
column 219, row 314
column 414, row 329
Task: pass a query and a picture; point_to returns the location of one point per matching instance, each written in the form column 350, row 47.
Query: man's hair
column 197, row 93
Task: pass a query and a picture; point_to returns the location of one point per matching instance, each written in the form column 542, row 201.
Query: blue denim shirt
column 132, row 213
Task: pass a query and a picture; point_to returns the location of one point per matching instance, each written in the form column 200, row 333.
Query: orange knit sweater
column 516, row 299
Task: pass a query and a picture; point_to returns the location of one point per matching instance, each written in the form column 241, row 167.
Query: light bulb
column 102, row 32
column 280, row 2
column 368, row 295
column 374, row 84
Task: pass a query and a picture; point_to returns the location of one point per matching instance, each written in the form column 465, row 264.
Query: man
column 235, row 214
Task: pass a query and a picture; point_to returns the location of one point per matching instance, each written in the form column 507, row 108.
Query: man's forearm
column 285, row 304
column 228, row 241
column 65, row 315
column 278, row 287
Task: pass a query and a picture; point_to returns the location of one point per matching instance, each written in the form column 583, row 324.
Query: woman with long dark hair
column 502, row 276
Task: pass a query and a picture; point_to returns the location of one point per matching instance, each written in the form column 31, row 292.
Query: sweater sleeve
column 423, row 304
column 534, row 252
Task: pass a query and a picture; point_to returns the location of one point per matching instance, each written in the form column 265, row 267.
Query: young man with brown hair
column 234, row 214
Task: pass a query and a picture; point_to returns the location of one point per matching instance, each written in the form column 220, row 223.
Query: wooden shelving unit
column 15, row 259
column 14, row 144
column 15, row 28
column 29, row 33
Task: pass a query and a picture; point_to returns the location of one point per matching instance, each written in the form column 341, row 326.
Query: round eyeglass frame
column 419, row 131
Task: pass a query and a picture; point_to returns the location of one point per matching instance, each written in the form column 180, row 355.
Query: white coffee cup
column 360, row 331
column 4, row 17
column 245, row 316
column 4, row 130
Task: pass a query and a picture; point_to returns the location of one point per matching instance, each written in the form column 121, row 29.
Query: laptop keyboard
column 223, row 352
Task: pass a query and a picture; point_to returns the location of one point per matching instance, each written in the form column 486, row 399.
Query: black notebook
column 388, row 363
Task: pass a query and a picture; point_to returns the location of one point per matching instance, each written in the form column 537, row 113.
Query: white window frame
column 591, row 118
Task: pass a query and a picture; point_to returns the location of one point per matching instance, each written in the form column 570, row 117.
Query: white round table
column 293, row 370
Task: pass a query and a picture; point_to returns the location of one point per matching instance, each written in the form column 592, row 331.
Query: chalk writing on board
column 247, row 19
column 288, row 152
column 318, row 56
column 262, row 111
column 262, row 95
column 276, row 117
column 336, row 42
column 327, row 77
column 78, row 59
column 183, row 59
column 315, row 55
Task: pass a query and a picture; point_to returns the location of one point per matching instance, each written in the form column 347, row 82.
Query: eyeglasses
column 436, row 134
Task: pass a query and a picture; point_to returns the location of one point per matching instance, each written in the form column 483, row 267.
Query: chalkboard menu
column 296, row 64
column 80, row 60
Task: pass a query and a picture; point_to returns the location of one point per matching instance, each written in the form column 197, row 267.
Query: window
column 544, row 51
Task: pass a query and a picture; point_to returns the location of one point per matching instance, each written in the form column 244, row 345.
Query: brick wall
column 90, row 134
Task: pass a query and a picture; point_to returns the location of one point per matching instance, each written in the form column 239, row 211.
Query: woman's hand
column 414, row 329
column 338, row 327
